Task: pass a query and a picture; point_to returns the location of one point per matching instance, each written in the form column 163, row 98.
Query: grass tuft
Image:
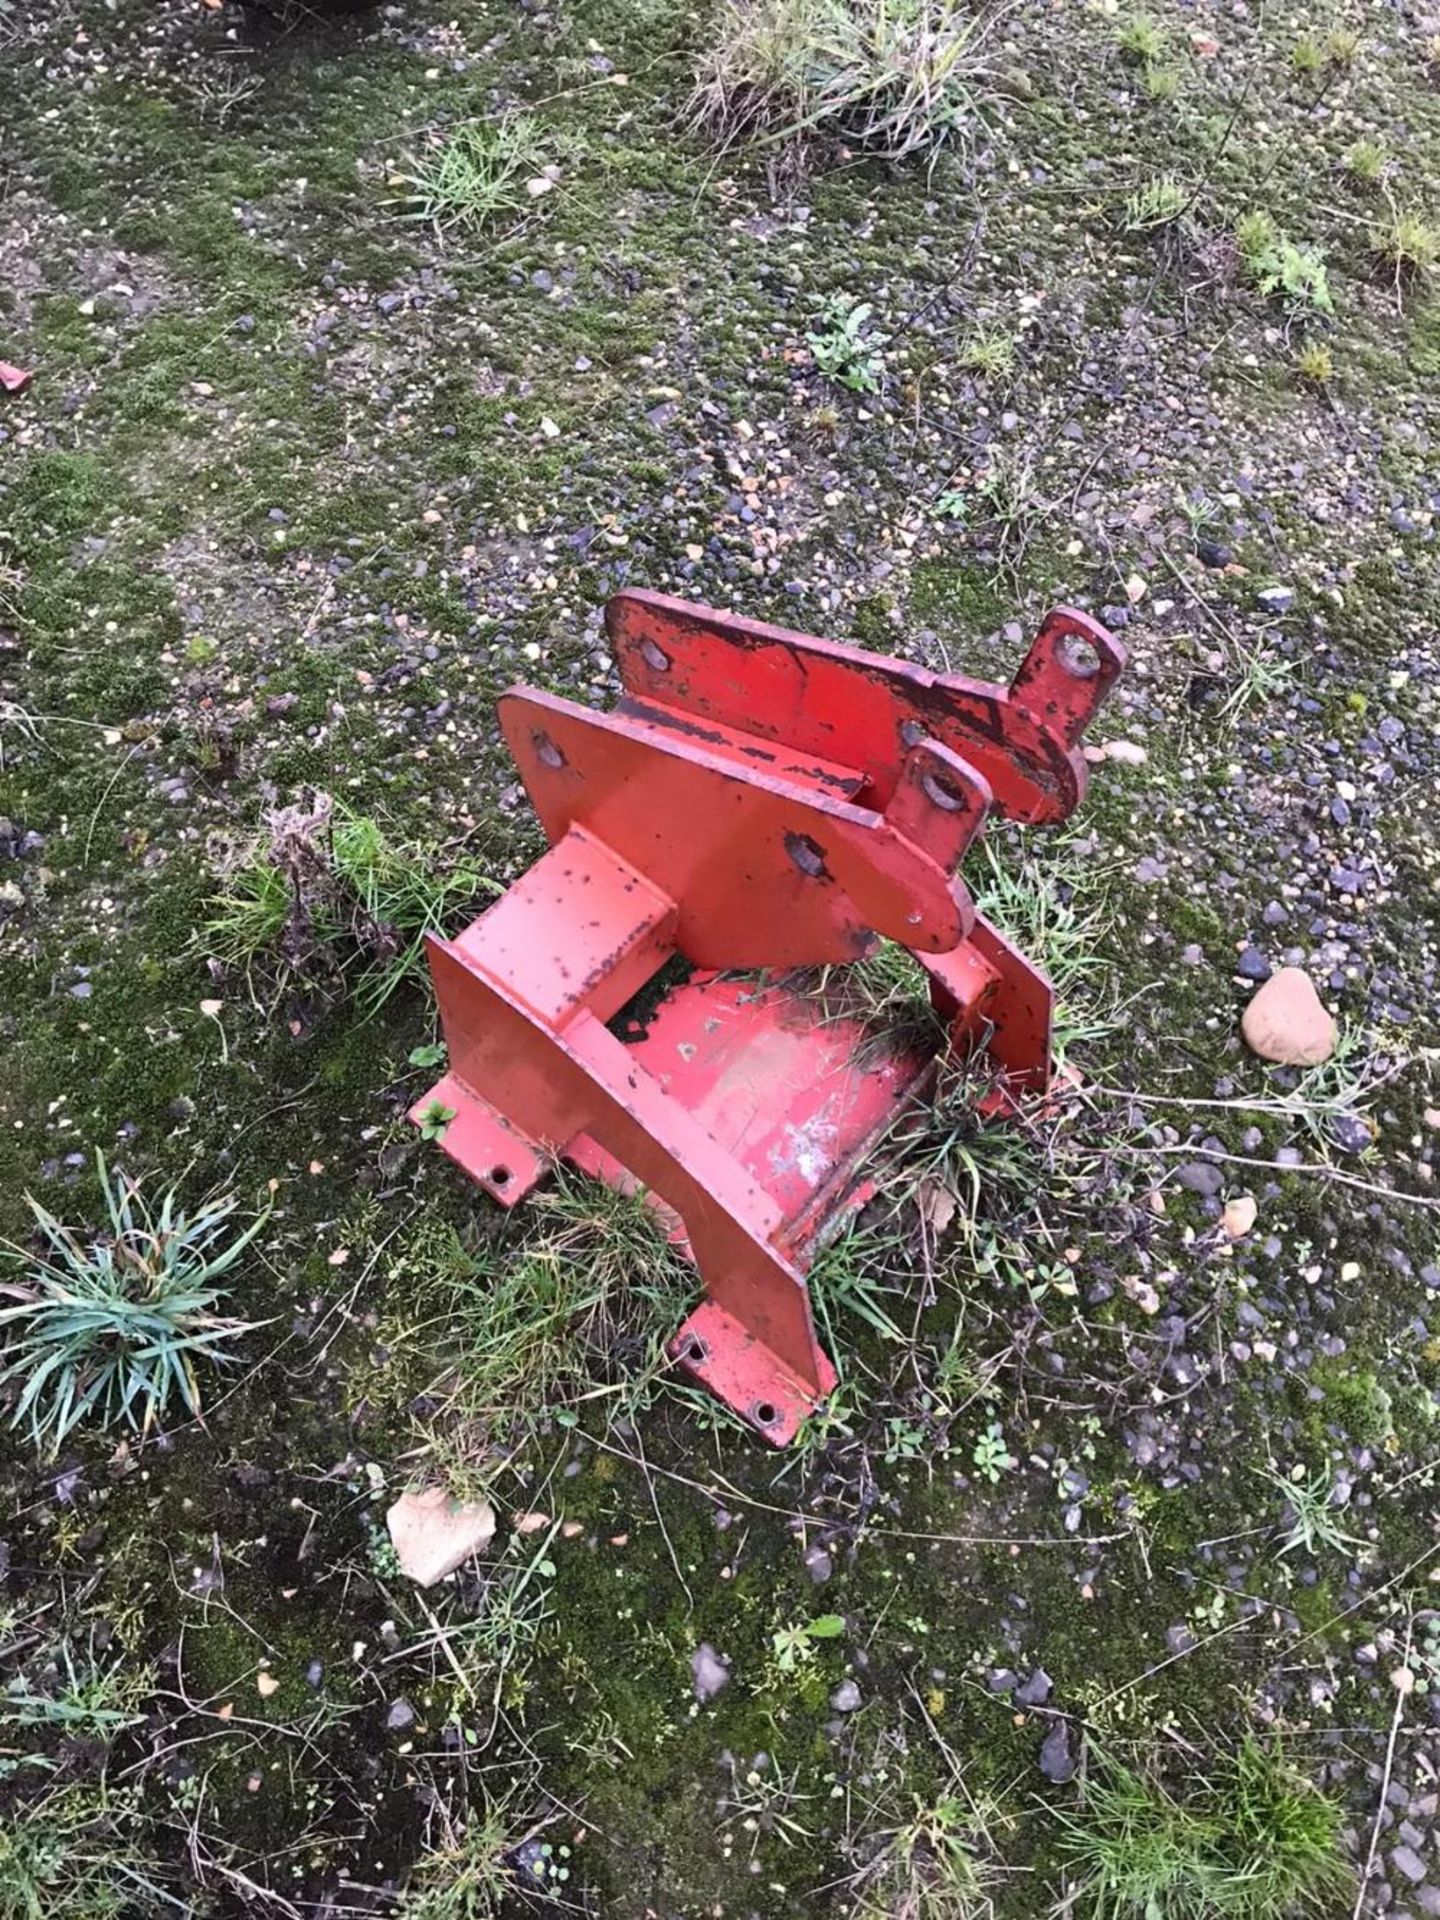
column 112, row 1327
column 1365, row 162
column 1315, row 364
column 1156, row 203
column 1254, row 1842
column 1408, row 244
column 1141, row 40
column 896, row 77
column 477, row 175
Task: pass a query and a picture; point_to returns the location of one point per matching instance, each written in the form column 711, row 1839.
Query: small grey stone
column 315, row 1675
column 1252, row 965
column 1035, row 1690
column 711, row 1673
column 846, row 1697
column 1426, row 1900
column 1057, row 1762
column 1408, row 1862
column 400, row 1716
column 819, row 1565
column 1276, row 599
column 1202, row 1177
column 1179, row 1638
column 1000, row 1680
column 1212, row 554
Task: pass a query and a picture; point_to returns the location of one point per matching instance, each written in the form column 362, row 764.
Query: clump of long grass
column 581, row 1310
column 1255, row 1841
column 111, row 1326
column 895, row 77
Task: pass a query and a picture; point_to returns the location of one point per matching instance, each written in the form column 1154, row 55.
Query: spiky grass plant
column 111, row 1326
column 896, row 77
column 467, row 1870
column 1315, row 364
column 1255, row 1841
column 1311, row 1520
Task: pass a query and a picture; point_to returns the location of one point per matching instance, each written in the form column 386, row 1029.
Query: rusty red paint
column 758, row 799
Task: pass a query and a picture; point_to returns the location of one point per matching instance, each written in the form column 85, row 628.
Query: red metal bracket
column 756, row 799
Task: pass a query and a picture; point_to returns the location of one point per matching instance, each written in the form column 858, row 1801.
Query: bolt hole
column 654, row 657
column 764, row 1414
column 808, row 854
column 696, row 1350
column 1079, row 656
column 500, row 1176
column 942, row 794
column 546, row 751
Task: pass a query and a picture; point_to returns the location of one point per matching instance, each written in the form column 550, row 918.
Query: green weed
column 1277, row 267
column 88, row 1697
column 581, row 1311
column 69, row 1854
column 1053, row 907
column 844, row 348
column 112, row 1326
column 1315, row 364
column 468, row 1869
column 930, row 1867
column 988, row 350
column 325, row 896
column 1307, row 56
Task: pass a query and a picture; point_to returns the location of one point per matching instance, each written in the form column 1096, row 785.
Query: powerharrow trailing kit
column 757, row 803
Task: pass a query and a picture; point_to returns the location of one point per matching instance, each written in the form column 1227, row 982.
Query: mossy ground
column 299, row 488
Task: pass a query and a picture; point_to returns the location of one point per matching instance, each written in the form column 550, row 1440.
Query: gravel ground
column 299, row 487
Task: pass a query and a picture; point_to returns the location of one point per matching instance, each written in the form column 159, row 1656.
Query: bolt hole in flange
column 546, row 751
column 764, row 1413
column 500, row 1176
column 941, row 794
column 808, row 854
column 654, row 657
column 1078, row 656
column 694, row 1350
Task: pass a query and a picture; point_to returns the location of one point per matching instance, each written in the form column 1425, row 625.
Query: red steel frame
column 757, row 800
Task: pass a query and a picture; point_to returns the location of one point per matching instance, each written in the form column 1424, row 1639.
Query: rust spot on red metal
column 758, row 799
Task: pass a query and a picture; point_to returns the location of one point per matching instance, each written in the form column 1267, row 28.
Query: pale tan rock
column 1239, row 1216
column 1286, row 1021
column 433, row 1534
